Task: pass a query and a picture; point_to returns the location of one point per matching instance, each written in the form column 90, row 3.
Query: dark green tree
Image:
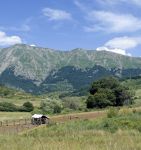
column 108, row 92
column 28, row 106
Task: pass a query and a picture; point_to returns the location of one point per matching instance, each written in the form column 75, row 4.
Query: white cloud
column 121, row 45
column 111, row 22
column 55, row 14
column 114, row 50
column 124, row 42
column 111, row 2
column 108, row 21
column 9, row 40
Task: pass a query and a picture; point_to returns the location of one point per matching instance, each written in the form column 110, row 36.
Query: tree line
column 103, row 93
column 10, row 107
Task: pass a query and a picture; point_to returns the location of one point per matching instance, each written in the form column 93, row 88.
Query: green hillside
column 38, row 70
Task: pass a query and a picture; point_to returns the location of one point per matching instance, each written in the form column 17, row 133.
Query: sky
column 111, row 25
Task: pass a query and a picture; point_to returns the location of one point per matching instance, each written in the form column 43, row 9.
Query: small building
column 38, row 119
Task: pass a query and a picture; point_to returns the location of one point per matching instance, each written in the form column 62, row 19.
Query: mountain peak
column 35, row 64
column 78, row 49
column 20, row 45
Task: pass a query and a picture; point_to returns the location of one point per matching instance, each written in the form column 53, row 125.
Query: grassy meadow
column 14, row 115
column 19, row 100
column 86, row 140
column 121, row 132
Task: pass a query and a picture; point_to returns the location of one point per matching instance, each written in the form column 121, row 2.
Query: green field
column 14, row 115
column 19, row 102
column 117, row 133
column 120, row 132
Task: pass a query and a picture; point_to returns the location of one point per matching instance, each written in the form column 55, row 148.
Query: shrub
column 74, row 103
column 51, row 106
column 27, row 106
column 6, row 106
column 37, row 111
column 125, row 111
column 134, row 110
column 112, row 112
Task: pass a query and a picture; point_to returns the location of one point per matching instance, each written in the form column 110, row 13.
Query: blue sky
column 112, row 25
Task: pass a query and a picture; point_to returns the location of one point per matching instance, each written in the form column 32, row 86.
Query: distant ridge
column 36, row 70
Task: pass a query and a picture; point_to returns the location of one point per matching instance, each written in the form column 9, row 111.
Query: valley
column 70, row 75
column 61, row 90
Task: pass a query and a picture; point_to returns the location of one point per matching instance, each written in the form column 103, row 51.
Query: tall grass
column 66, row 140
column 79, row 135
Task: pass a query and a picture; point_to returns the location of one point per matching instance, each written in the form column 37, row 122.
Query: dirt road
column 76, row 116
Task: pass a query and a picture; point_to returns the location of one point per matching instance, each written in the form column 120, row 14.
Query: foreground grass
column 117, row 133
column 86, row 140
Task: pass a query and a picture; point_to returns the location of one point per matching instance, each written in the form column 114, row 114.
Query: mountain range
column 39, row 70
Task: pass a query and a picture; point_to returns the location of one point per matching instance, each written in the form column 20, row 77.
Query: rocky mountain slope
column 38, row 70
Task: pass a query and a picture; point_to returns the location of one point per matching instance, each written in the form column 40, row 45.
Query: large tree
column 108, row 92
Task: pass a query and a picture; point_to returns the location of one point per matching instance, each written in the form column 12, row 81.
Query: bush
column 112, row 112
column 74, row 103
column 125, row 111
column 51, row 106
column 5, row 106
column 27, row 107
column 134, row 110
column 37, row 111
